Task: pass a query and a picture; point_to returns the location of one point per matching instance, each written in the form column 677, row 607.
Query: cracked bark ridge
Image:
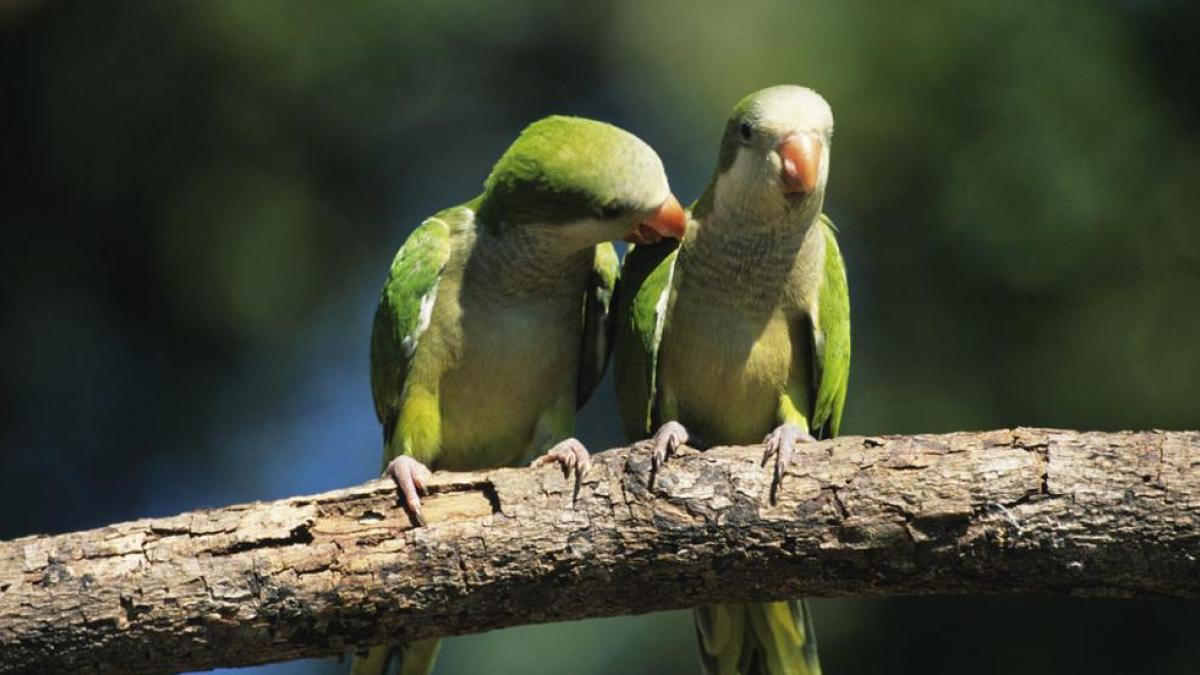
column 1011, row 511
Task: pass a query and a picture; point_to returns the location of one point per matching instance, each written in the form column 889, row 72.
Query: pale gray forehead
column 791, row 108
column 646, row 177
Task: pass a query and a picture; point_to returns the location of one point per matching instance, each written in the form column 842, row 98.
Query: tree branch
column 1026, row 510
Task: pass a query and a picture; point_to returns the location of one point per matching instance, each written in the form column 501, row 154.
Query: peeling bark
column 1011, row 511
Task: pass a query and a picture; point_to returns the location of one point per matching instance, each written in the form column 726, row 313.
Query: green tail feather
column 774, row 638
column 413, row 658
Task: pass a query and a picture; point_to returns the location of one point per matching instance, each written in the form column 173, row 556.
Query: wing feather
column 645, row 288
column 596, row 341
column 403, row 314
column 831, row 338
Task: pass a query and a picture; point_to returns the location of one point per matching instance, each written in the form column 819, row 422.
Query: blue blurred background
column 200, row 201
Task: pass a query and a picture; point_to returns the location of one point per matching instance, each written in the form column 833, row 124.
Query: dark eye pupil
column 745, row 130
column 610, row 210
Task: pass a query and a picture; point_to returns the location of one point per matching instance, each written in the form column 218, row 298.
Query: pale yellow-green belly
column 723, row 374
column 499, row 386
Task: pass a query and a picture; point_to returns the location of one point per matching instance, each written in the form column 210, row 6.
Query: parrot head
column 579, row 182
column 775, row 153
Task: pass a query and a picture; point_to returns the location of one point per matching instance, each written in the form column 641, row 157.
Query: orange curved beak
column 801, row 157
column 669, row 220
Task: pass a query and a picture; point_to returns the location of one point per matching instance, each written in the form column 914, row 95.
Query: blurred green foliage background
column 200, row 200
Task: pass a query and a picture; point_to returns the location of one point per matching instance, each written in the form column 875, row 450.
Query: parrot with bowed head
column 494, row 327
column 740, row 330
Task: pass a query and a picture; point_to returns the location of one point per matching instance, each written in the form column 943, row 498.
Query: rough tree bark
column 1026, row 510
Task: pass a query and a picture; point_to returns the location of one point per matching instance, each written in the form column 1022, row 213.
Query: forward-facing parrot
column 742, row 330
column 493, row 326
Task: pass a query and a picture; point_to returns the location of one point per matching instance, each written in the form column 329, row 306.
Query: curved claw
column 573, row 456
column 412, row 479
column 782, row 443
column 663, row 444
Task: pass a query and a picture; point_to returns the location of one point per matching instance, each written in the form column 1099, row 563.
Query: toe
column 420, row 481
column 411, row 479
column 550, row 457
column 781, row 464
column 661, row 449
column 582, row 459
column 423, row 472
column 412, row 500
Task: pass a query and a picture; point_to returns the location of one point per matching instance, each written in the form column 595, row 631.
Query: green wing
column 831, row 338
column 405, row 307
column 641, row 303
column 595, row 343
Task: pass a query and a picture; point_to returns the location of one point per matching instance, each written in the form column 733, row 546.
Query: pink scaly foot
column 782, row 443
column 572, row 456
column 412, row 478
column 663, row 444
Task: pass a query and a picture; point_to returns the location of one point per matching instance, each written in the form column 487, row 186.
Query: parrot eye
column 745, row 131
column 611, row 210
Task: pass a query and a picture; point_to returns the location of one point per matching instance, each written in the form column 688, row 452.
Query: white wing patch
column 660, row 307
column 660, row 321
column 424, row 316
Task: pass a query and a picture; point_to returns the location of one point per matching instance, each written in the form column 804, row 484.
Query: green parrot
column 740, row 330
column 494, row 327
